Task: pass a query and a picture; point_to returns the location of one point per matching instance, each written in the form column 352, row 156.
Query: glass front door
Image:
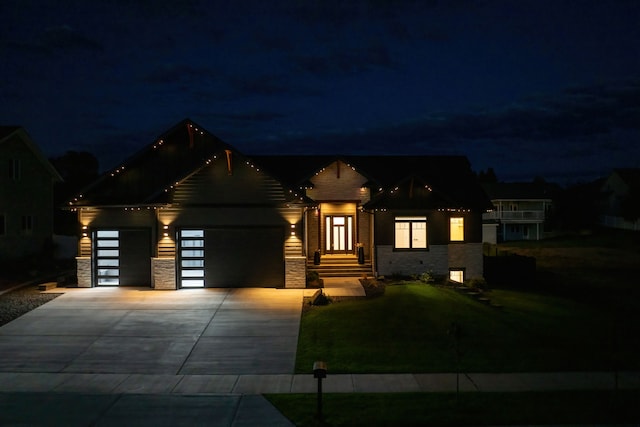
column 339, row 234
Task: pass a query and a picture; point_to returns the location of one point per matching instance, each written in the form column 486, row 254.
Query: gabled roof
column 147, row 177
column 520, row 190
column 630, row 176
column 187, row 148
column 448, row 179
column 445, row 175
column 6, row 132
column 411, row 193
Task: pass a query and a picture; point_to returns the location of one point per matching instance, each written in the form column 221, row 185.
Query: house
column 520, row 210
column 189, row 210
column 26, row 195
column 621, row 192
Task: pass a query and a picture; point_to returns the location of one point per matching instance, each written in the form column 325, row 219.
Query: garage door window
column 192, row 258
column 108, row 257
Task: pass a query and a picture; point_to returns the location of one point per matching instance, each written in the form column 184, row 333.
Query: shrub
column 373, row 288
column 477, row 282
column 428, row 277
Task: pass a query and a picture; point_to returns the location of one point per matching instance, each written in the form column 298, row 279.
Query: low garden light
column 319, row 372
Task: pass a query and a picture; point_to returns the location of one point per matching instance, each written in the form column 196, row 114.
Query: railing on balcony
column 514, row 215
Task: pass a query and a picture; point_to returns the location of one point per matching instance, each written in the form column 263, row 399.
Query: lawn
column 443, row 409
column 407, row 330
column 604, row 260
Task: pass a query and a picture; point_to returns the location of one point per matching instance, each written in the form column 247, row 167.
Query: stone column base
column 83, row 271
column 163, row 273
column 295, row 273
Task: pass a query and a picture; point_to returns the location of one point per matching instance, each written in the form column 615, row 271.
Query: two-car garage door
column 231, row 257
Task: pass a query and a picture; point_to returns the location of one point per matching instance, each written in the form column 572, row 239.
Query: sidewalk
column 284, row 383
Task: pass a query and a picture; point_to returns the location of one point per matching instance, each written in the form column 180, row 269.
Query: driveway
column 143, row 331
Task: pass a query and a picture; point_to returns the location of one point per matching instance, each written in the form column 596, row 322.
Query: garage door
column 242, row 257
column 232, row 257
column 122, row 258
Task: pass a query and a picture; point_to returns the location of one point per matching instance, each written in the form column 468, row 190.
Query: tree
column 488, row 177
column 78, row 169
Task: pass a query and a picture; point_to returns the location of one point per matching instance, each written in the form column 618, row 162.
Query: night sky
column 530, row 88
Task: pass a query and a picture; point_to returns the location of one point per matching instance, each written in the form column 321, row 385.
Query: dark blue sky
column 538, row 87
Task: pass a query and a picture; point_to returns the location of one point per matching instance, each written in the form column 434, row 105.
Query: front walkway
column 305, row 383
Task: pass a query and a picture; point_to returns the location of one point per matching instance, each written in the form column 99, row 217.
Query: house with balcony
column 26, row 195
column 520, row 210
column 190, row 210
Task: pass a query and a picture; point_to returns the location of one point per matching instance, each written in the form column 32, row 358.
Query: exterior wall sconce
column 166, row 230
column 84, row 231
column 293, row 229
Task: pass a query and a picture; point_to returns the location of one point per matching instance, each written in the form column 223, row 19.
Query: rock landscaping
column 15, row 303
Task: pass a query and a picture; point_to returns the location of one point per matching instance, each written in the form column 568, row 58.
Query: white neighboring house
column 618, row 188
column 520, row 211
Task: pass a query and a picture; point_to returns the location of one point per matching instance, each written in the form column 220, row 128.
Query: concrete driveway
column 142, row 331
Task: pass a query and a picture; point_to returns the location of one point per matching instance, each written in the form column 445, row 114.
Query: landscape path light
column 319, row 372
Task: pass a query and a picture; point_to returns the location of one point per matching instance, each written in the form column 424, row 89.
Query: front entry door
column 339, row 234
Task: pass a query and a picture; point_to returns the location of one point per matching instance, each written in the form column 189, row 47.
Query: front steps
column 341, row 266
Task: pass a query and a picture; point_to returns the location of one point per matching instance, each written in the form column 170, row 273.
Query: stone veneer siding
column 467, row 256
column 295, row 275
column 83, row 271
column 163, row 273
column 392, row 262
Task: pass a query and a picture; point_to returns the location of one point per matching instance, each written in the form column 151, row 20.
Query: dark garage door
column 135, row 258
column 244, row 257
column 122, row 257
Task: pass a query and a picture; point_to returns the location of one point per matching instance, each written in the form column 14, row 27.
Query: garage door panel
column 244, row 257
column 135, row 258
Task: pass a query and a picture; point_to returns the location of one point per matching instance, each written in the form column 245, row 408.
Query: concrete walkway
column 305, row 383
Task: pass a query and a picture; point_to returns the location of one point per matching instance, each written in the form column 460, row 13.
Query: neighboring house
column 621, row 191
column 26, row 195
column 520, row 210
column 191, row 211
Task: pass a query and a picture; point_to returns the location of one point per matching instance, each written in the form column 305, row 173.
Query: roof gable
column 145, row 177
column 180, row 156
column 412, row 193
column 630, row 176
column 6, row 134
column 150, row 176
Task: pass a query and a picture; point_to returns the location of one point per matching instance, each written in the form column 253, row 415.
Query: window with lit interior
column 192, row 258
column 411, row 232
column 456, row 275
column 456, row 229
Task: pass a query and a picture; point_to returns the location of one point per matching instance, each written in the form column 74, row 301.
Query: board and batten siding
column 339, row 182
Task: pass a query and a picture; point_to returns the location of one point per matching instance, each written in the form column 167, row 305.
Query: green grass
column 406, row 330
column 443, row 409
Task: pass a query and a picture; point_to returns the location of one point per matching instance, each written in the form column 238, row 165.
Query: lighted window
column 107, row 256
column 27, row 224
column 192, row 257
column 456, row 229
column 456, row 275
column 410, row 232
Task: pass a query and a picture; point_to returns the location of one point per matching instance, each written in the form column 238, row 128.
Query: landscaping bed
column 15, row 303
